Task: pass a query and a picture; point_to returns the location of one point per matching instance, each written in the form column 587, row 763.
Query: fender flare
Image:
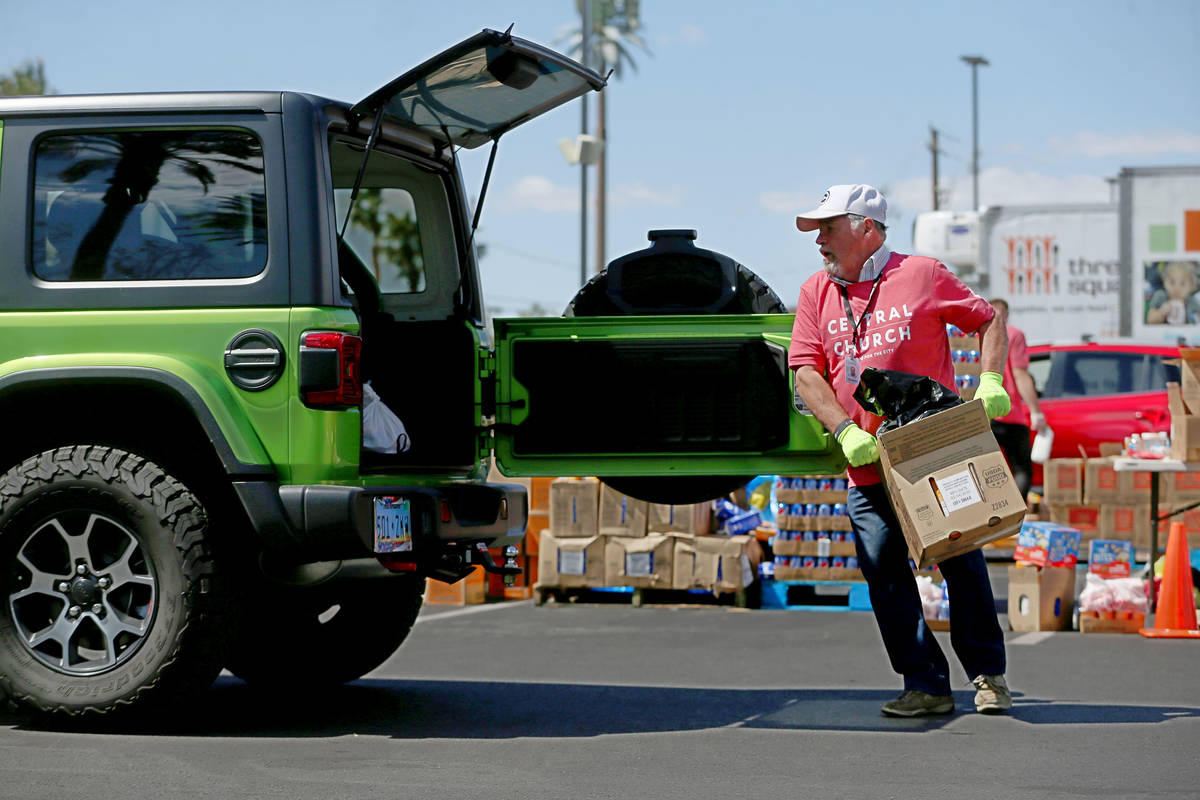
column 150, row 375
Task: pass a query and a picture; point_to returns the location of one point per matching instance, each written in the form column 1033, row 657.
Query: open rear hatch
column 481, row 88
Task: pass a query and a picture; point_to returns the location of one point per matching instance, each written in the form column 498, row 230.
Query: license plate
column 393, row 525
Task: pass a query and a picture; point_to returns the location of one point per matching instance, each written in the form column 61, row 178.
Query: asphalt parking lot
column 513, row 700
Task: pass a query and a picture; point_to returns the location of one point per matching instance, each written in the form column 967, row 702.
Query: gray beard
column 832, row 268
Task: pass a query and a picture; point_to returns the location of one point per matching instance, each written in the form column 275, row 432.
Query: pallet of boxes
column 602, row 539
column 814, row 562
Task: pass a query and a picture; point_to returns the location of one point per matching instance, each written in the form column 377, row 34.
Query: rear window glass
column 1090, row 374
column 149, row 205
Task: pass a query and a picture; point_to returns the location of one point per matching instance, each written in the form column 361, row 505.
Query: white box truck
column 1160, row 250
column 1057, row 266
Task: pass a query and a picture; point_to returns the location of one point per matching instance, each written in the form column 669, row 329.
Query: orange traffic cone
column 1176, row 614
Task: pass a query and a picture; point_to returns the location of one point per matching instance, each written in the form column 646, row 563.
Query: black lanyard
column 854, row 326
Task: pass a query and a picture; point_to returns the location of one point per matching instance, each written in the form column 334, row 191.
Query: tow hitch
column 453, row 565
column 510, row 570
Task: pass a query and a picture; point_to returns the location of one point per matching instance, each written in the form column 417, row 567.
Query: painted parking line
column 472, row 610
column 1032, row 638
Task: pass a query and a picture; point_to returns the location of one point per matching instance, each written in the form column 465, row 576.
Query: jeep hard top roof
column 467, row 95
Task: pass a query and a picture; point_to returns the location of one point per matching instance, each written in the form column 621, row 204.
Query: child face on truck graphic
column 1174, row 303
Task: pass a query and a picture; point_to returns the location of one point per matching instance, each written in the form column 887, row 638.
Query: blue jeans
column 975, row 632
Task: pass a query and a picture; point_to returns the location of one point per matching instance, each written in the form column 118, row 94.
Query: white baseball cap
column 846, row 198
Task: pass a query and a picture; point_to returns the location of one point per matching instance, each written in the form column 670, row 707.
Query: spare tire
column 672, row 277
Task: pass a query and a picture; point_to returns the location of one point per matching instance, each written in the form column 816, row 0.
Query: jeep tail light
column 330, row 369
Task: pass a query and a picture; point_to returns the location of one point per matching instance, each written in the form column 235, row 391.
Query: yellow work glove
column 996, row 401
column 858, row 445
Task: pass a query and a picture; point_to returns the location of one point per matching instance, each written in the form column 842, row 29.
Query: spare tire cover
column 673, row 276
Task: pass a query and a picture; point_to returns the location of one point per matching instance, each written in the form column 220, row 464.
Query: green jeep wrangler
column 197, row 288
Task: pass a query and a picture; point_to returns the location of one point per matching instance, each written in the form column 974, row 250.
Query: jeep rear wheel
column 108, row 590
column 324, row 635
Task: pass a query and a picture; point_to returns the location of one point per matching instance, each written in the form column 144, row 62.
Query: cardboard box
column 821, row 548
column 1126, row 522
column 643, row 562
column 539, row 494
column 949, row 484
column 695, row 518
column 572, row 562
column 1085, row 518
column 538, row 521
column 791, row 522
column 1110, row 622
column 1189, row 371
column 1041, row 598
column 468, row 591
column 1047, row 544
column 1102, row 483
column 741, row 523
column 1185, row 426
column 1062, row 482
column 575, row 507
column 620, row 514
column 1179, row 488
column 1110, row 558
column 714, row 563
column 839, row 574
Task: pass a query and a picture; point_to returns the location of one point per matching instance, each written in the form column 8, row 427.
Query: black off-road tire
column 323, row 636
column 89, row 527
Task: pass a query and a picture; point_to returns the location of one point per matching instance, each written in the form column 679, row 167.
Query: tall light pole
column 585, row 46
column 975, row 61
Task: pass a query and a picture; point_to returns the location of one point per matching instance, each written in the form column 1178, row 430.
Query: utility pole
column 585, row 46
column 933, row 149
column 601, row 174
column 975, row 61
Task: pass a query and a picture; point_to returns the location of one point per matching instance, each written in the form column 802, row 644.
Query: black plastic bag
column 901, row 397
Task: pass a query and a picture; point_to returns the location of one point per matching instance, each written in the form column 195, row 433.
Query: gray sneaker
column 992, row 696
column 915, row 703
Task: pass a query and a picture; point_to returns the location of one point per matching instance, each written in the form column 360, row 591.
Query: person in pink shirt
column 1013, row 430
column 871, row 307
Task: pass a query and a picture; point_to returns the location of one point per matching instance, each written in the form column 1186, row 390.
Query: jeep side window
column 149, row 205
column 383, row 234
column 400, row 230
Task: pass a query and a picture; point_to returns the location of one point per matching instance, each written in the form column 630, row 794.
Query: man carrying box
column 872, row 307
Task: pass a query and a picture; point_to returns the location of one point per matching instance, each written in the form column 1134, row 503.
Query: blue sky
column 740, row 115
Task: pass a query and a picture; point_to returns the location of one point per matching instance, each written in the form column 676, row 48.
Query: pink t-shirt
column 1018, row 356
column 915, row 300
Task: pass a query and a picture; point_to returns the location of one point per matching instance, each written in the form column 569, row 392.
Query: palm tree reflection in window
column 154, row 205
column 395, row 240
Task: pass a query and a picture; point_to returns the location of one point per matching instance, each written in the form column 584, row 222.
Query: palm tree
column 614, row 27
column 135, row 161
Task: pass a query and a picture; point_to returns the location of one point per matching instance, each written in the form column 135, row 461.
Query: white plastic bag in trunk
column 383, row 432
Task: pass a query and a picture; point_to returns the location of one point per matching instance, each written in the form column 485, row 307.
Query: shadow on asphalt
column 425, row 709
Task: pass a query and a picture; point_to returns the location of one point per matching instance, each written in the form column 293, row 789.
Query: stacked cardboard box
column 1089, row 494
column 814, row 541
column 599, row 537
column 1041, row 585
